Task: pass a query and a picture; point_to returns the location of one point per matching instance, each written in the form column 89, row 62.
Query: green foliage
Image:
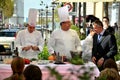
column 8, row 7
column 77, row 60
column 75, row 28
column 81, row 36
column 102, row 78
column 117, row 35
column 55, row 73
column 44, row 54
column 86, row 75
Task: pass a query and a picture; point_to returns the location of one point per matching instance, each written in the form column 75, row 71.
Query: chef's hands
column 100, row 61
column 35, row 48
column 94, row 60
column 92, row 32
column 26, row 48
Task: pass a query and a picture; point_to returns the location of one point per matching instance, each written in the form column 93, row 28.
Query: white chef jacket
column 24, row 38
column 87, row 45
column 64, row 42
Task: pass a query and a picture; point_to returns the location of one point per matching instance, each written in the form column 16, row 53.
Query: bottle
column 15, row 54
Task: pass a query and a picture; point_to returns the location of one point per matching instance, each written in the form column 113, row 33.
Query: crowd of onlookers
column 110, row 71
column 33, row 72
column 20, row 72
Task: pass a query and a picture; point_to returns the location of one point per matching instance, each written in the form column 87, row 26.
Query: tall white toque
column 32, row 17
column 63, row 14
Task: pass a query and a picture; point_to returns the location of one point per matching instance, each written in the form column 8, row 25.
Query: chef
column 64, row 40
column 29, row 41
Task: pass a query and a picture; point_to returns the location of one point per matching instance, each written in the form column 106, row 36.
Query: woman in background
column 17, row 66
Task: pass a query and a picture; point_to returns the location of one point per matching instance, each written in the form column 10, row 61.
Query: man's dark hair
column 98, row 22
column 106, row 18
column 61, row 23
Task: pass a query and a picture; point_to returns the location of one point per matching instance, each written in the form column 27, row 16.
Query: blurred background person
column 17, row 66
column 109, row 74
column 110, row 63
column 115, row 27
column 107, row 26
column 89, row 20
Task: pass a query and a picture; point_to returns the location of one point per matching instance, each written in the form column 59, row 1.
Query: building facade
column 18, row 16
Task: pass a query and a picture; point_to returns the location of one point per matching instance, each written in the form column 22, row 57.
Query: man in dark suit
column 104, row 45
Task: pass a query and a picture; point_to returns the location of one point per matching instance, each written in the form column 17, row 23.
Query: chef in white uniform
column 64, row 40
column 87, row 45
column 30, row 41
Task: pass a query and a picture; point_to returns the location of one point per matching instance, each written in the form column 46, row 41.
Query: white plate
column 43, row 62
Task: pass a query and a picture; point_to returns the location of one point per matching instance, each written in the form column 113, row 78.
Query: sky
column 34, row 4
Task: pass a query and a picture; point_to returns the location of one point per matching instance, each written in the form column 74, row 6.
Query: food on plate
column 33, row 59
column 27, row 61
column 43, row 62
column 51, row 57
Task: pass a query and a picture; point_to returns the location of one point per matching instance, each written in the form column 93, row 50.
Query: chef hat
column 63, row 14
column 32, row 18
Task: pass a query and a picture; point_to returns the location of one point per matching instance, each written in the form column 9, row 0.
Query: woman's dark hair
column 17, row 66
column 109, row 74
column 110, row 63
column 32, row 72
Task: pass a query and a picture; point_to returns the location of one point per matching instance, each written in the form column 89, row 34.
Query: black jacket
column 110, row 30
column 106, row 48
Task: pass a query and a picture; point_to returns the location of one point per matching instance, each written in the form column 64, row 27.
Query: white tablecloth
column 63, row 69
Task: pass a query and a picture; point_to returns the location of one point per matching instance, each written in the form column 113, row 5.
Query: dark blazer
column 110, row 30
column 106, row 48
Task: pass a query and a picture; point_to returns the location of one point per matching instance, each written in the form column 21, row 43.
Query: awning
column 87, row 0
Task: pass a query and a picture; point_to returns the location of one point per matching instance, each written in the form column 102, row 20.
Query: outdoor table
column 63, row 69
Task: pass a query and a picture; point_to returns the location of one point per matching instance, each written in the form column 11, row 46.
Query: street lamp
column 46, row 28
column 1, row 18
column 53, row 17
column 53, row 7
column 46, row 16
column 41, row 14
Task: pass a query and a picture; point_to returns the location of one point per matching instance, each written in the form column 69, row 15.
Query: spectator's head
column 32, row 72
column 97, row 26
column 109, row 74
column 105, row 22
column 17, row 66
column 110, row 63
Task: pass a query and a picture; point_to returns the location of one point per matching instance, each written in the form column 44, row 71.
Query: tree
column 7, row 7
